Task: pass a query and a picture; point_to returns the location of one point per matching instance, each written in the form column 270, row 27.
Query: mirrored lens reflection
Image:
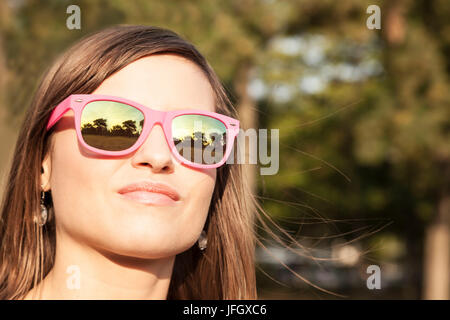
column 199, row 139
column 110, row 125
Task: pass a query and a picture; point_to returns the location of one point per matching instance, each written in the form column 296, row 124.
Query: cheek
column 73, row 172
column 198, row 189
column 76, row 182
column 199, row 186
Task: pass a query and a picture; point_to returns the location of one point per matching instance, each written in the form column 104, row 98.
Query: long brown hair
column 226, row 270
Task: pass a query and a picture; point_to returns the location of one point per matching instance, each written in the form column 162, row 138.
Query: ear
column 45, row 173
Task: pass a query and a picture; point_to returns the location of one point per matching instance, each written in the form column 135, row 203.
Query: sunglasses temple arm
column 235, row 127
column 59, row 111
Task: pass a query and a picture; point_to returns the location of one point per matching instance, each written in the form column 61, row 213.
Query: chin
column 146, row 247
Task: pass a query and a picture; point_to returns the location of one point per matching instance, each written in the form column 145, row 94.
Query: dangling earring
column 42, row 219
column 202, row 241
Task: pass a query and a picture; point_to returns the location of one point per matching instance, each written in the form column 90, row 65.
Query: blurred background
column 363, row 117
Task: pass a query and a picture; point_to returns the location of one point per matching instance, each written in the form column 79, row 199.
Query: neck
column 83, row 272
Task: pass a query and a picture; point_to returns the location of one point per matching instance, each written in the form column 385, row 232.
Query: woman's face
column 88, row 207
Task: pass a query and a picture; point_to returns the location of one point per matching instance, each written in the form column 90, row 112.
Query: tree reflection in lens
column 204, row 139
column 116, row 128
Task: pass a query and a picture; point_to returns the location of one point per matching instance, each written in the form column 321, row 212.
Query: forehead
column 162, row 82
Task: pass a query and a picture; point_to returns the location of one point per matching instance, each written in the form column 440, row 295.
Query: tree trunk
column 246, row 107
column 437, row 254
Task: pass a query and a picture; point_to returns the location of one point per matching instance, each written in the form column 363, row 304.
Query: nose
column 154, row 153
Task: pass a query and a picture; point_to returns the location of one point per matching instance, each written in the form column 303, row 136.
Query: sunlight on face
column 85, row 187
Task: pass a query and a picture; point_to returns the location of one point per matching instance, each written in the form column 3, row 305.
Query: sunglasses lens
column 200, row 139
column 111, row 126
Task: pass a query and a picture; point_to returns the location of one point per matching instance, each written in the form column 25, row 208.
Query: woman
column 105, row 205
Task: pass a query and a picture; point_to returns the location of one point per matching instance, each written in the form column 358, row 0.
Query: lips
column 147, row 192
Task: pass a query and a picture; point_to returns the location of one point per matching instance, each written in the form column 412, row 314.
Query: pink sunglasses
column 114, row 126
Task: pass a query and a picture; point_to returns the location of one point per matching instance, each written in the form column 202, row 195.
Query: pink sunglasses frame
column 77, row 102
